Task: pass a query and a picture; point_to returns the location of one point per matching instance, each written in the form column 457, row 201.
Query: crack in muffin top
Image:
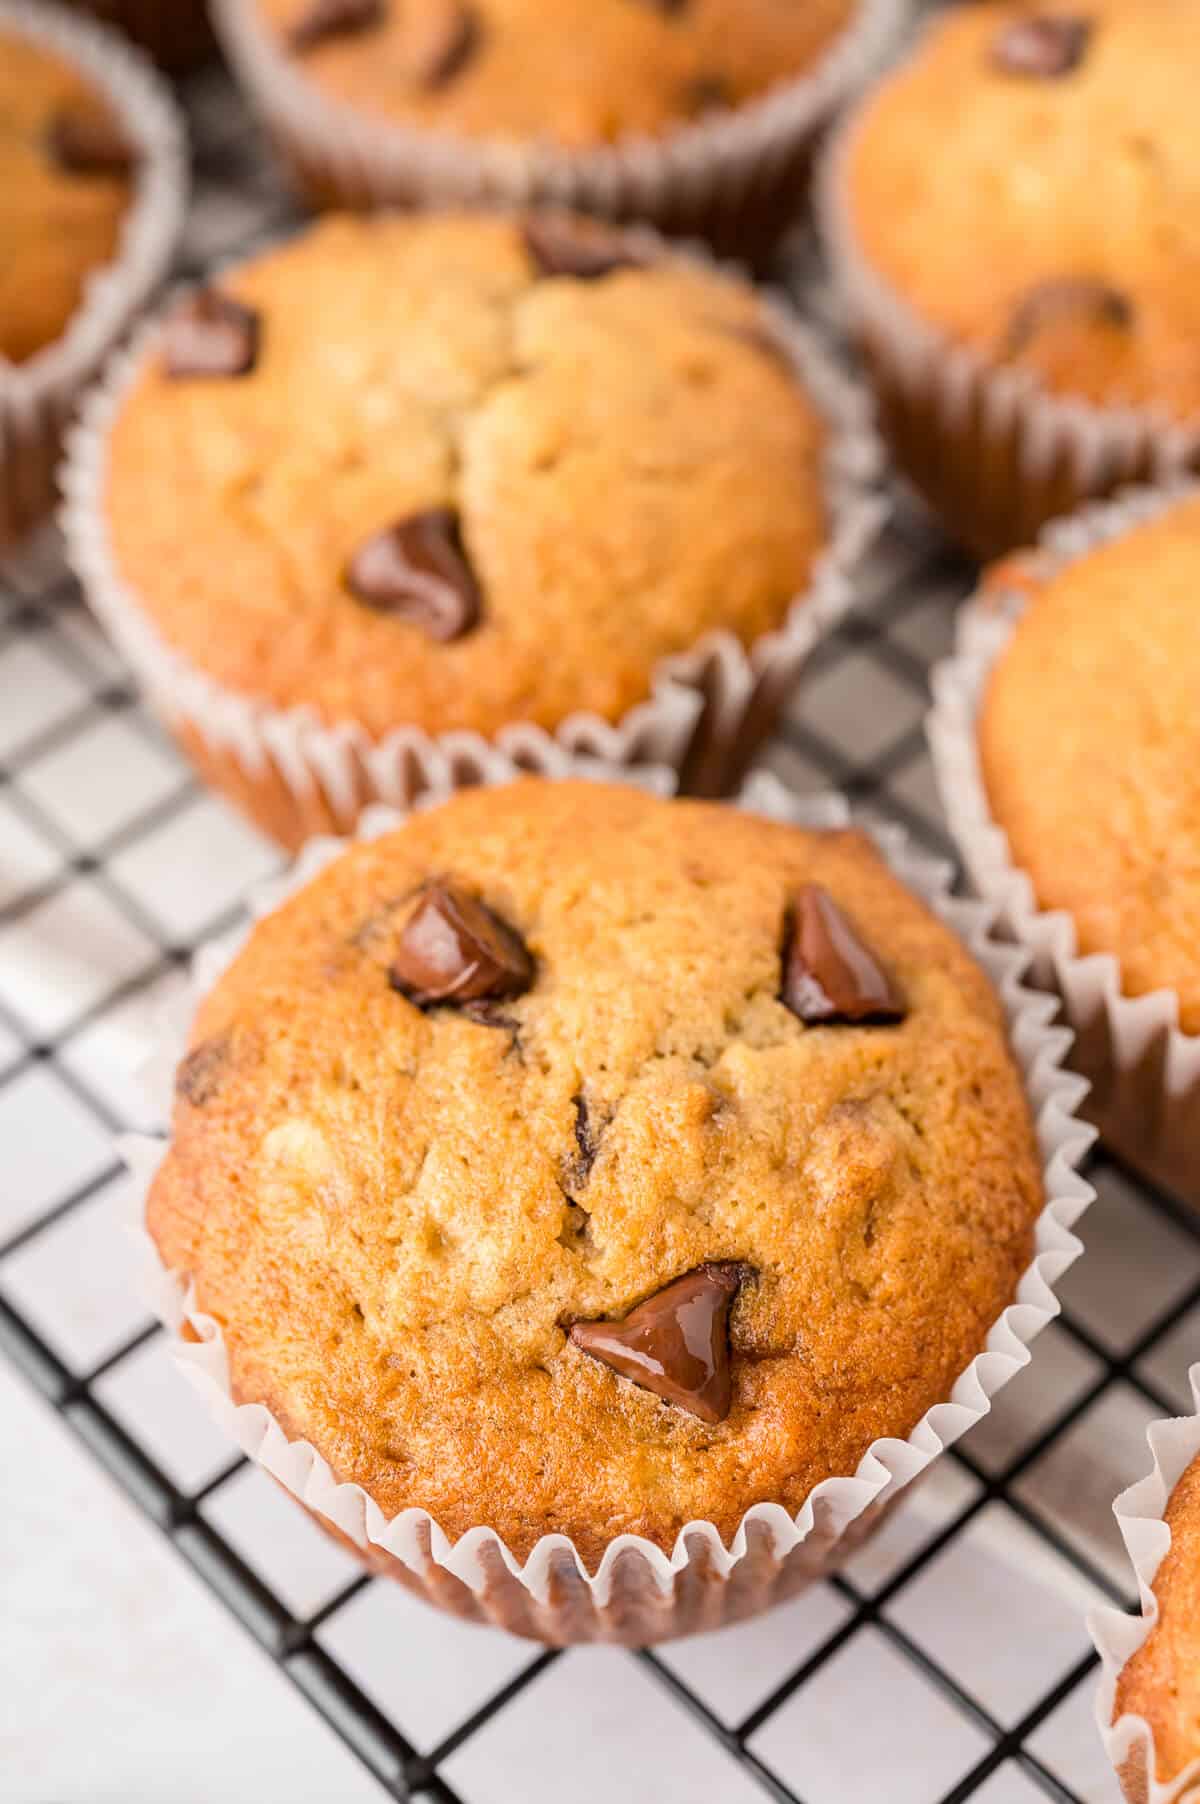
column 398, row 1210
column 621, row 460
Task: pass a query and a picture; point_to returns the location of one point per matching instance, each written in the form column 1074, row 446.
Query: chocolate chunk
column 418, row 570
column 563, row 246
column 333, row 19
column 676, row 1343
column 1048, row 46
column 211, row 334
column 1078, row 297
column 89, row 141
column 202, row 1072
column 453, row 949
column 829, row 975
column 456, row 39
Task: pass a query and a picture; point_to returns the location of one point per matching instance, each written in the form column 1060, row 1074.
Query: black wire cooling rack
column 1035, row 1482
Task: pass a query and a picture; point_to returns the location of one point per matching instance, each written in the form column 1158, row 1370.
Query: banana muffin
column 573, row 74
column 66, row 180
column 572, row 1160
column 1090, row 751
column 1024, row 188
column 457, row 472
column 1162, row 1681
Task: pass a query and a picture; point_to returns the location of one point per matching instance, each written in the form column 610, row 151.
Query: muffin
column 1009, row 213
column 177, row 33
column 1162, row 1681
column 1148, row 1701
column 66, row 181
column 700, row 117
column 573, row 1161
column 91, row 194
column 462, row 472
column 1062, row 736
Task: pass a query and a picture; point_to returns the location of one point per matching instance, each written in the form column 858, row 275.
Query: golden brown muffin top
column 65, row 182
column 397, row 1214
column 576, row 73
column 1090, row 743
column 619, row 462
column 1030, row 184
column 1162, row 1681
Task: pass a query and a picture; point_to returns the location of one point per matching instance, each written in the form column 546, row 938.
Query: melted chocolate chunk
column 202, row 1072
column 88, row 141
column 457, row 40
column 563, row 246
column 333, row 19
column 586, row 1140
column 418, row 570
column 829, row 975
column 676, row 1343
column 211, row 334
column 1047, row 47
column 1077, row 297
column 453, row 949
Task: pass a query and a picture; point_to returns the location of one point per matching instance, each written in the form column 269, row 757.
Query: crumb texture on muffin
column 1090, row 747
column 1162, row 1681
column 1043, row 207
column 60, row 210
column 624, row 457
column 574, row 72
column 398, row 1213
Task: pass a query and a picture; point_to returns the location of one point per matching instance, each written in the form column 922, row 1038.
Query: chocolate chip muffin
column 1021, row 190
column 571, row 1160
column 66, row 181
column 462, row 472
column 1086, row 740
column 514, row 68
column 1162, row 1681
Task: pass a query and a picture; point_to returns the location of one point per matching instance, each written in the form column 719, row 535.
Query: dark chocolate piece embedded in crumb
column 89, row 141
column 453, row 949
column 333, row 19
column 201, row 1074
column 676, row 1343
column 830, row 977
column 1046, row 47
column 1064, row 298
column 209, row 334
column 418, row 571
column 561, row 245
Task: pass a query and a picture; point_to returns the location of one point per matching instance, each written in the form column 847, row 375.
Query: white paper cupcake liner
column 993, row 451
column 707, row 711
column 639, row 1593
column 733, row 177
column 38, row 396
column 1143, row 1069
column 1140, row 1510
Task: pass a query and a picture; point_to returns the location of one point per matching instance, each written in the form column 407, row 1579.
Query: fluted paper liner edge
column 1135, row 1046
column 1129, row 1741
column 414, row 1539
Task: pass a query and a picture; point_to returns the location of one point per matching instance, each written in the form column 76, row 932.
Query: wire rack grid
column 960, row 1628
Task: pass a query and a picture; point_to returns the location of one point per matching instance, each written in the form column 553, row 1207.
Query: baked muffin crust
column 575, row 72
column 1090, row 750
column 1162, row 1681
column 59, row 219
column 1047, row 219
column 397, row 1214
column 631, row 464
